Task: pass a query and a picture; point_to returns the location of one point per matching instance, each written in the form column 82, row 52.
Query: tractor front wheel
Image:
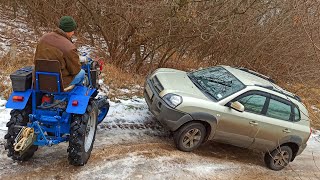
column 82, row 135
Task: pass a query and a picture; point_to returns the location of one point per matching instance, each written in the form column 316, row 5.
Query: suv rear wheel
column 190, row 136
column 278, row 158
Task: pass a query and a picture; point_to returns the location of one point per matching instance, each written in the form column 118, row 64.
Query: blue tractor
column 45, row 113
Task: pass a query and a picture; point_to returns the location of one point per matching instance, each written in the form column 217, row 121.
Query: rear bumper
column 167, row 116
column 301, row 148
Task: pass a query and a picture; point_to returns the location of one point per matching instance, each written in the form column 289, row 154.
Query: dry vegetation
column 274, row 37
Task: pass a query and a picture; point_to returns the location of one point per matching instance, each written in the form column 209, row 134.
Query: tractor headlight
column 172, row 100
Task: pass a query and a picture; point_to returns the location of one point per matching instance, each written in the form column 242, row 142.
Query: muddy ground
column 149, row 153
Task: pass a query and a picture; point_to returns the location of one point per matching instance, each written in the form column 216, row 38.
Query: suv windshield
column 216, row 81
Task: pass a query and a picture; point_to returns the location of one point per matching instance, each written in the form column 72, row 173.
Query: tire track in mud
column 51, row 159
column 61, row 169
column 157, row 158
column 143, row 149
column 133, row 126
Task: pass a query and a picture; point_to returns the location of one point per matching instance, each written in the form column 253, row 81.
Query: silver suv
column 230, row 105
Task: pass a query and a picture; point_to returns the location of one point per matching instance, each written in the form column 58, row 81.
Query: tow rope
column 24, row 139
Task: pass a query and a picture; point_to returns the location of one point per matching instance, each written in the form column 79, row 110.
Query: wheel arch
column 81, row 106
column 208, row 120
column 206, row 125
column 294, row 147
column 294, row 142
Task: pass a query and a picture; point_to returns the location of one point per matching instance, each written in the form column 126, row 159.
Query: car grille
column 156, row 84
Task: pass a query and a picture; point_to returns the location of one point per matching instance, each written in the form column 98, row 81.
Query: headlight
column 172, row 100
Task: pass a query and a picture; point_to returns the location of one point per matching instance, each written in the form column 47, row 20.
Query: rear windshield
column 216, row 81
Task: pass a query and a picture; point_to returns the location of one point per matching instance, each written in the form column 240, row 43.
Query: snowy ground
column 130, row 144
column 4, row 118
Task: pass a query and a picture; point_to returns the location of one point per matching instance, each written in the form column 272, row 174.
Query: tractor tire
column 82, row 135
column 18, row 118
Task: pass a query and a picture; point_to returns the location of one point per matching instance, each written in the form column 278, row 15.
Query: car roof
column 250, row 79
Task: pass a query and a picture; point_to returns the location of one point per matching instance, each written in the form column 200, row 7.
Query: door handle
column 253, row 123
column 286, row 131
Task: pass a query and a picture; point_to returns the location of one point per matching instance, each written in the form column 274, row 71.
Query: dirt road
column 150, row 154
column 131, row 144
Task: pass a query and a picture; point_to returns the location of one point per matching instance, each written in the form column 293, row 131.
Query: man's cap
column 67, row 24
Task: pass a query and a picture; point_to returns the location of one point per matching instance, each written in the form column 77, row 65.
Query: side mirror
column 237, row 106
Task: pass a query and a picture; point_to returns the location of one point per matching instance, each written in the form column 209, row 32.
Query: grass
column 117, row 78
column 9, row 65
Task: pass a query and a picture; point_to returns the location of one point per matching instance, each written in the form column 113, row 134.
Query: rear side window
column 279, row 110
column 253, row 103
column 296, row 114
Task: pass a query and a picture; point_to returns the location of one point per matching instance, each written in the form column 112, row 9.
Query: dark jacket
column 57, row 46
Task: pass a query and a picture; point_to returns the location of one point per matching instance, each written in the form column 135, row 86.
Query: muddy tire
column 278, row 158
column 18, row 118
column 82, row 135
column 190, row 136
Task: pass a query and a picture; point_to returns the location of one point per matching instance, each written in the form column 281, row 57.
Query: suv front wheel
column 189, row 136
column 278, row 158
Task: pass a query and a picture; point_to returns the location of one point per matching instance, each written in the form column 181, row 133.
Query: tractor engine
column 93, row 69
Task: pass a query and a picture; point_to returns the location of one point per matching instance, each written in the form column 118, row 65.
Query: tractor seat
column 48, row 72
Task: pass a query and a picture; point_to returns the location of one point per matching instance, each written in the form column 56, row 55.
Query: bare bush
column 276, row 38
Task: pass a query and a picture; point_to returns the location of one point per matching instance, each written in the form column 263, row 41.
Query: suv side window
column 279, row 110
column 253, row 103
column 296, row 114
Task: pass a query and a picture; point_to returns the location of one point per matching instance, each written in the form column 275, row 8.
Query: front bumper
column 167, row 116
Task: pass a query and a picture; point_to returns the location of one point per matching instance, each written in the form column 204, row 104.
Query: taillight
column 100, row 64
column 18, row 98
column 310, row 134
column 75, row 103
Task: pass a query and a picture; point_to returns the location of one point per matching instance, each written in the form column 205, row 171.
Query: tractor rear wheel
column 82, row 135
column 18, row 118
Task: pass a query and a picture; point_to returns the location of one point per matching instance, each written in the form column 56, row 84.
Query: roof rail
column 267, row 87
column 281, row 92
column 256, row 74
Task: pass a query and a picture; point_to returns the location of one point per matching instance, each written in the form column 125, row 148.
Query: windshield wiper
column 200, row 86
column 214, row 80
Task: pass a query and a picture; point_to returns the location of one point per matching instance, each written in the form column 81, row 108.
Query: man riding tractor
column 58, row 45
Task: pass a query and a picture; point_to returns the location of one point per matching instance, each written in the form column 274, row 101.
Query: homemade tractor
column 44, row 114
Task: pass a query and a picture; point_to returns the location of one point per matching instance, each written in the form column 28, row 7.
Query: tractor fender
column 81, row 106
column 19, row 104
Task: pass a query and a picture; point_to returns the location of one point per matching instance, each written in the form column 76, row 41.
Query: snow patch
column 136, row 165
column 204, row 169
column 315, row 109
column 4, row 118
column 19, row 37
column 2, row 103
column 85, row 49
column 125, row 91
column 117, row 169
column 127, row 111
